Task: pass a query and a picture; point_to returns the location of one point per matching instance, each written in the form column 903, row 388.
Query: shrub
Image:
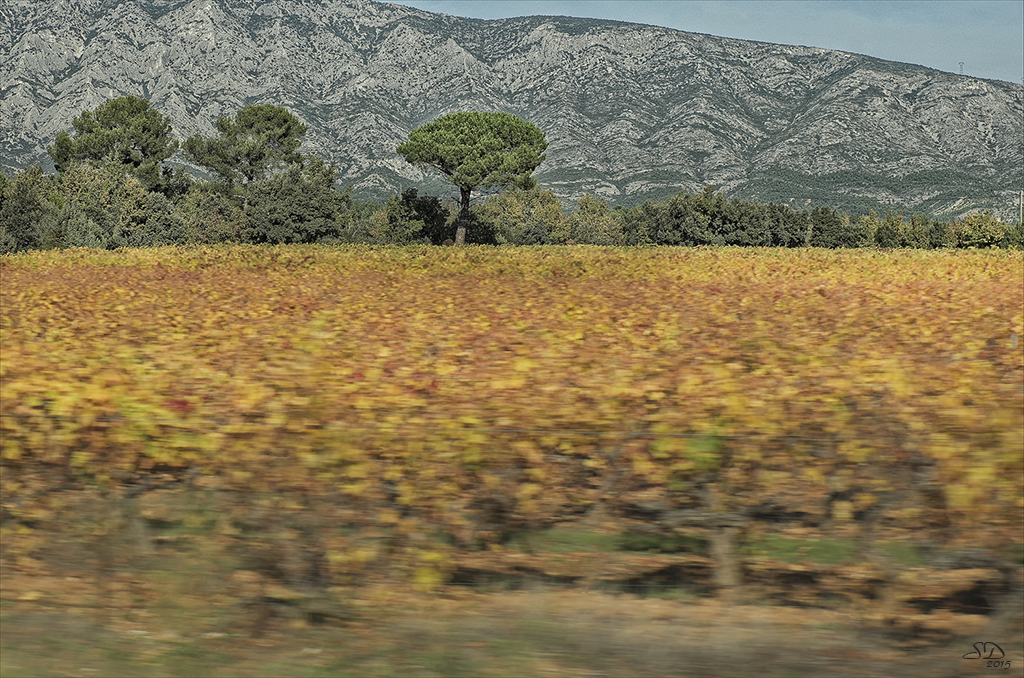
column 297, row 206
column 788, row 226
column 24, row 201
column 832, row 230
column 105, row 207
column 593, row 224
column 1013, row 236
column 749, row 224
column 976, row 230
column 524, row 217
column 209, row 216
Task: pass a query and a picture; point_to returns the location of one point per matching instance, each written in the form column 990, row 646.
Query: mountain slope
column 631, row 112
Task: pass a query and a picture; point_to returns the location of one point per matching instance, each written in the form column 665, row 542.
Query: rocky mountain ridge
column 631, row 112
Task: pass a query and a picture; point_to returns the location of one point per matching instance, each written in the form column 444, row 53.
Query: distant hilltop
column 632, row 112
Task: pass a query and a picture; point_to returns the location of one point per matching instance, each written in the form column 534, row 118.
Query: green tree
column 889, row 233
column 126, row 131
column 936, row 232
column 788, row 226
column 832, row 229
column 357, row 220
column 106, row 208
column 24, row 201
column 976, row 230
column 210, row 216
column 713, row 205
column 474, row 150
column 637, row 222
column 524, row 217
column 297, row 206
column 593, row 224
column 684, row 220
column 399, row 223
column 425, row 210
column 1013, row 236
column 747, row 223
column 917, row 232
column 405, row 219
column 257, row 140
column 869, row 224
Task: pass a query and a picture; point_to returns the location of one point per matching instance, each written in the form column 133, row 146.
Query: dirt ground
column 134, row 629
column 187, row 606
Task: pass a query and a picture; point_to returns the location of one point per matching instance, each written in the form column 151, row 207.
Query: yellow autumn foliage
column 448, row 374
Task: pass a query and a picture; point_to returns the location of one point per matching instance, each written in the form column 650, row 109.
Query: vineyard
column 425, row 416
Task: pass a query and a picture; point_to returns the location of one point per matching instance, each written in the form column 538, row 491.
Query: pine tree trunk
column 460, row 233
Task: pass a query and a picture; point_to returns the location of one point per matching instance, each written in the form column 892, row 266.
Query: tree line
column 114, row 189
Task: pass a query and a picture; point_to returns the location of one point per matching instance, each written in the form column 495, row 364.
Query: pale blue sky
column 987, row 35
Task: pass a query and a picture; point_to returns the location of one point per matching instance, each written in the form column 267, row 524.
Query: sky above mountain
column 986, row 35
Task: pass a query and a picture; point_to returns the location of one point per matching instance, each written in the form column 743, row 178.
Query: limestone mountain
column 631, row 112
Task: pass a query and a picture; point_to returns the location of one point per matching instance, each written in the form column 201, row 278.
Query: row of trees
column 535, row 217
column 113, row 189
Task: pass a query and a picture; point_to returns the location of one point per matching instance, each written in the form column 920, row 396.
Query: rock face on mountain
column 631, row 112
